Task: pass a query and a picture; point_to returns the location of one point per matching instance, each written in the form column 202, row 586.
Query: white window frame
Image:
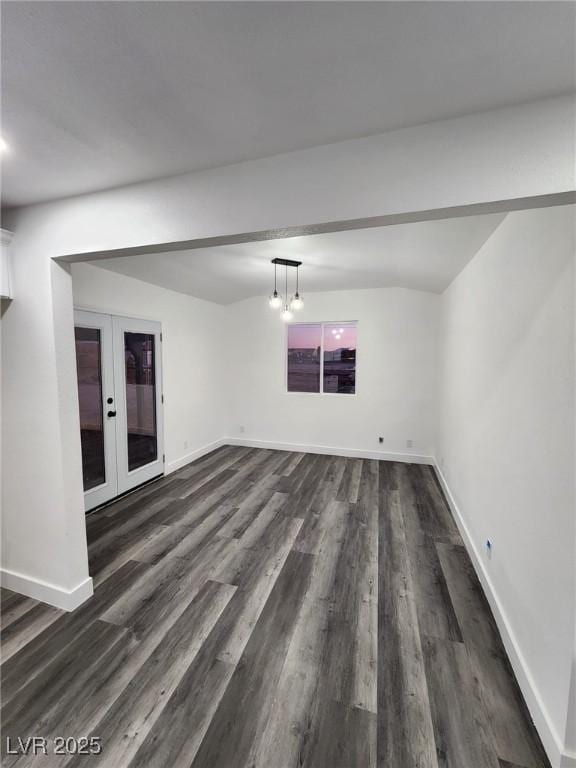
column 321, row 323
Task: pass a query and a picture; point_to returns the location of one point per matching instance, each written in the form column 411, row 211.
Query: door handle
column 111, row 413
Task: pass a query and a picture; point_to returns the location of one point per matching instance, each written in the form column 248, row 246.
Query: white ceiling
column 100, row 94
column 426, row 256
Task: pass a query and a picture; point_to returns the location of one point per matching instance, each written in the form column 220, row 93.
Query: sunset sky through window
column 304, row 336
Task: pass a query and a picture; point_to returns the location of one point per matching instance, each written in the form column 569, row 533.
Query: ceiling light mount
column 287, row 262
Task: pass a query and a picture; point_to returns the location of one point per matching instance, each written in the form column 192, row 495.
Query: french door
column 119, row 368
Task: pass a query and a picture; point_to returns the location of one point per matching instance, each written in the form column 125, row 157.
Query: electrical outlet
column 409, row 443
column 241, row 429
column 489, row 549
column 185, row 443
column 380, row 439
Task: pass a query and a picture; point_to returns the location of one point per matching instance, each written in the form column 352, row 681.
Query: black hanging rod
column 286, row 262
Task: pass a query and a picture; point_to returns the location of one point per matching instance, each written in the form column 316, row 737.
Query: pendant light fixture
column 276, row 300
column 297, row 301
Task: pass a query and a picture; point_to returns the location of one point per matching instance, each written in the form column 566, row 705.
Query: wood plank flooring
column 265, row 609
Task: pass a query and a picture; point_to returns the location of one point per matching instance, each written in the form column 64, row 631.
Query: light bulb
column 341, row 330
column 297, row 302
column 334, row 331
column 3, row 145
column 275, row 300
column 286, row 314
column 338, row 336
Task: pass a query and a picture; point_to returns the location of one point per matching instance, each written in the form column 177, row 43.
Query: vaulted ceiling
column 425, row 256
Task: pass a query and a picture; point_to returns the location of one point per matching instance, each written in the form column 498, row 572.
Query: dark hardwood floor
column 263, row 609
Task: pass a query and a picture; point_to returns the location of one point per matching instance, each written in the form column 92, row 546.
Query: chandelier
column 276, row 300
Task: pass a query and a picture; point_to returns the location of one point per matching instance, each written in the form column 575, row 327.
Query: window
column 321, row 358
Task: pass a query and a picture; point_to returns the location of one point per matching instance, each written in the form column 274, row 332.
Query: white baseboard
column 550, row 739
column 172, row 466
column 67, row 599
column 329, row 450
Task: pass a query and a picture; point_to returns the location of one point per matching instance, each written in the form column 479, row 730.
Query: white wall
column 44, row 550
column 506, row 442
column 396, row 374
column 212, row 386
column 195, row 397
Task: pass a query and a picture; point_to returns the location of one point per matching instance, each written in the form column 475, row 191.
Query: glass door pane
column 140, row 366
column 89, row 367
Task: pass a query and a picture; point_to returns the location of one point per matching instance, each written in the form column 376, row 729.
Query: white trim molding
column 329, row 450
column 172, row 466
column 59, row 597
column 550, row 738
column 6, row 283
